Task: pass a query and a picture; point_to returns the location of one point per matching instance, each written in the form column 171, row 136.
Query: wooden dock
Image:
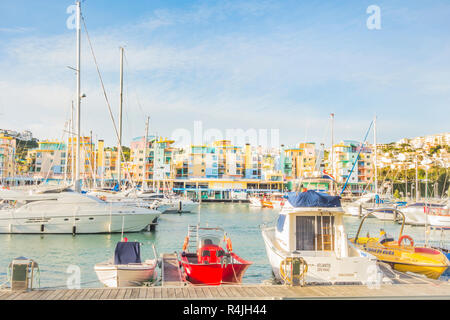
column 402, row 286
column 247, row 292
column 170, row 271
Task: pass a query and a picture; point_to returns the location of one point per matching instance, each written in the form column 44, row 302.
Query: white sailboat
column 310, row 229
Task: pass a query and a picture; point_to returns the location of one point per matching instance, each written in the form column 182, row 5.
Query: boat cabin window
column 314, row 233
column 280, row 222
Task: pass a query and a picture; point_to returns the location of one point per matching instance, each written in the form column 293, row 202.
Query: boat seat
column 210, row 254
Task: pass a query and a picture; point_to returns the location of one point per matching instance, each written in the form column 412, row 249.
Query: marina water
column 55, row 253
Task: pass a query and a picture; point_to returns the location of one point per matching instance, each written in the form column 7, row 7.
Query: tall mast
column 119, row 149
column 67, row 151
column 77, row 167
column 144, row 173
column 375, row 160
column 332, row 151
column 72, row 148
column 417, row 181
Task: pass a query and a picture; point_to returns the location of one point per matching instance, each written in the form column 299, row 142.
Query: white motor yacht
column 310, row 230
column 70, row 213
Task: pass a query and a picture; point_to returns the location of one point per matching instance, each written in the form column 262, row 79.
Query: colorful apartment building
column 156, row 165
column 345, row 157
column 7, row 157
column 48, row 160
column 300, row 162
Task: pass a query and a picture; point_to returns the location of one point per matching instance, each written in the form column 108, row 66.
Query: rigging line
column 106, row 97
column 135, row 92
column 356, row 160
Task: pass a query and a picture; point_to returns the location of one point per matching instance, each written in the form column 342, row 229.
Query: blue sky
column 231, row 64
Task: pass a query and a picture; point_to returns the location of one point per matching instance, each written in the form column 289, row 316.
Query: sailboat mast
column 332, row 152
column 119, row 149
column 375, row 147
column 417, row 181
column 77, row 166
column 144, row 173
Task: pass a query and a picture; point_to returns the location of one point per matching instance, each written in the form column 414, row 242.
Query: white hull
column 68, row 224
column 131, row 275
column 255, row 202
column 74, row 213
column 324, row 269
column 180, row 206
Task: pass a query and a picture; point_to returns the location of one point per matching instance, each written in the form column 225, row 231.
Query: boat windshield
column 209, row 240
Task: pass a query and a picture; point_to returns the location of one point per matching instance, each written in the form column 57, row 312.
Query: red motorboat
column 210, row 264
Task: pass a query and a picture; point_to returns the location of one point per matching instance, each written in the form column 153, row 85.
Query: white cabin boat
column 126, row 268
column 316, row 235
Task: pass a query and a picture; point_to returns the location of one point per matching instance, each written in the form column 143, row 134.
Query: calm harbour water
column 55, row 253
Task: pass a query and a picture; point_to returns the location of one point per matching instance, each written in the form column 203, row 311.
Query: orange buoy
column 185, row 244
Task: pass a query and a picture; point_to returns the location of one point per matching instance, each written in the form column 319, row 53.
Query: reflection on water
column 55, row 253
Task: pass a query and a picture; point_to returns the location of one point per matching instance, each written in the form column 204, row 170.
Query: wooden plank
column 207, row 293
column 120, row 293
column 171, row 293
column 143, row 292
column 158, row 291
column 105, row 293
column 192, row 293
column 134, row 293
column 89, row 294
column 151, row 293
column 163, row 293
column 179, row 293
column 249, row 293
column 127, row 294
column 97, row 294
column 58, row 294
column 83, row 294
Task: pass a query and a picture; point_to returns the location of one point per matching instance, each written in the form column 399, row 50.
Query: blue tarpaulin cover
column 127, row 252
column 312, row 198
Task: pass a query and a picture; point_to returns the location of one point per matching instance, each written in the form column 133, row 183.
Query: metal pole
column 417, row 182
column 144, row 173
column 119, row 149
column 77, row 169
column 375, row 143
column 332, row 152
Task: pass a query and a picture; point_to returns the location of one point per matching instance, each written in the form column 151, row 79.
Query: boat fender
column 411, row 241
column 185, row 244
column 229, row 245
column 74, row 230
column 224, row 262
column 42, row 228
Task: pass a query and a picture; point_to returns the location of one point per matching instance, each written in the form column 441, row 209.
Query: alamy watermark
column 74, row 279
column 374, row 20
column 265, row 138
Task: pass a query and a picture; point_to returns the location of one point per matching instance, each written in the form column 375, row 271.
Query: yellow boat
column 401, row 256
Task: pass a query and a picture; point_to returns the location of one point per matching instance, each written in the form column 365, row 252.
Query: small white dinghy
column 126, row 270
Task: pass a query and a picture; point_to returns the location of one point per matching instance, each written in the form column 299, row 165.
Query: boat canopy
column 127, row 252
column 312, row 198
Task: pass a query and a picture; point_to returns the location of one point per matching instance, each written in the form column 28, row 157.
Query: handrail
column 380, row 210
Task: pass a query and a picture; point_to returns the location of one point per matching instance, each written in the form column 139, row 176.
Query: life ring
column 287, row 275
column 411, row 241
column 185, row 244
column 229, row 245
